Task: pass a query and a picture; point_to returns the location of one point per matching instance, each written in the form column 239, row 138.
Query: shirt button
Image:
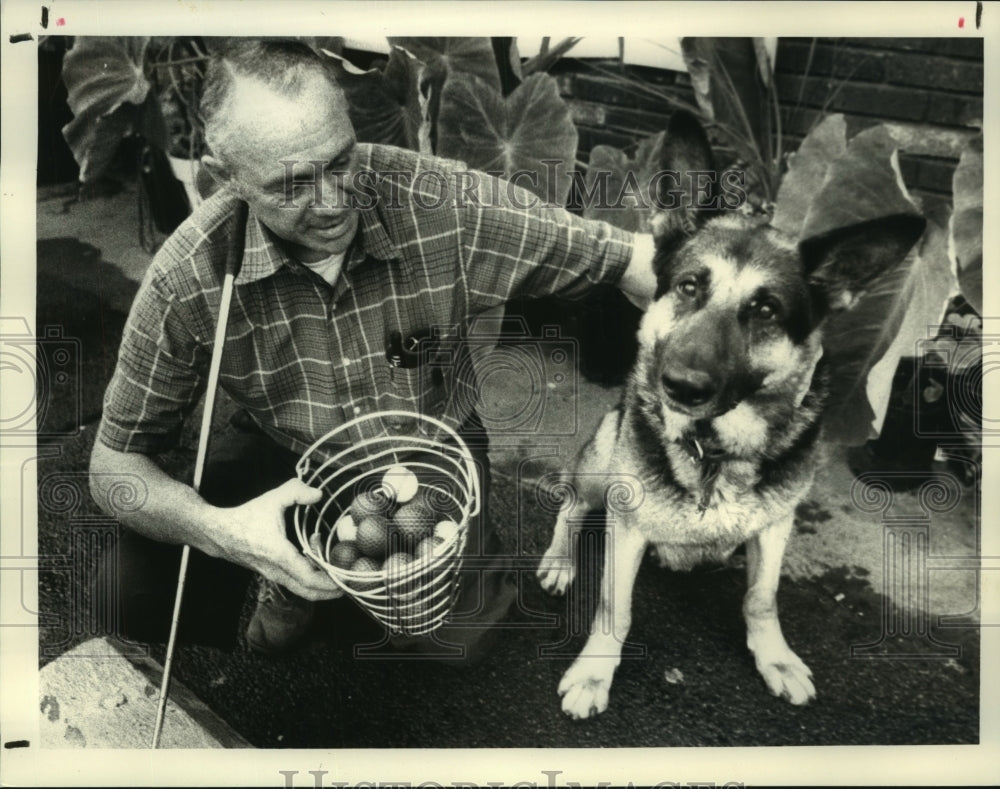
column 345, row 361
column 357, row 409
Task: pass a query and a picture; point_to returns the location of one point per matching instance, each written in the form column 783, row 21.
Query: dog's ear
column 842, row 263
column 686, row 146
column 686, row 185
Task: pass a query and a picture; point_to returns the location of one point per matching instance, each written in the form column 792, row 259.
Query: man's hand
column 253, row 535
column 638, row 282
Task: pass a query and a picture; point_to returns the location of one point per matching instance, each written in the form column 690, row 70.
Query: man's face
column 291, row 158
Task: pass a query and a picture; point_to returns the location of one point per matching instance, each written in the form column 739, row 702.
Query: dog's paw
column 555, row 573
column 788, row 677
column 585, row 688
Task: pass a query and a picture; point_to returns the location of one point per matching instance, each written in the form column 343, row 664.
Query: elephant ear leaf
column 447, row 56
column 864, row 183
column 384, row 104
column 615, row 184
column 807, row 171
column 528, row 136
column 444, row 59
column 106, row 88
column 864, row 345
column 966, row 232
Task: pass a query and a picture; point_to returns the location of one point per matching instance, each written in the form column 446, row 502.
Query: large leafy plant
column 150, row 87
column 954, row 358
column 519, row 133
column 452, row 96
column 832, row 182
column 110, row 95
column 446, row 96
column 120, row 86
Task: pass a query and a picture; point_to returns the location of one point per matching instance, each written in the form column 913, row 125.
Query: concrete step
column 94, row 696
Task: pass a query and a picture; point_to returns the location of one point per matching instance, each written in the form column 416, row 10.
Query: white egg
column 346, row 528
column 402, row 482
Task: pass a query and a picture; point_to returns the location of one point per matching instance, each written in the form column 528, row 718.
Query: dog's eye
column 688, row 288
column 764, row 309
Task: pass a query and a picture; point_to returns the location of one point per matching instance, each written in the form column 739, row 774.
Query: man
column 325, row 282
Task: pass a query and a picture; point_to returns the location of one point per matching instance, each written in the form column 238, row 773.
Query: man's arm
column 513, row 246
column 156, row 382
column 251, row 535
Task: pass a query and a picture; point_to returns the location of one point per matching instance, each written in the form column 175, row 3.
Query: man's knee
column 135, row 585
column 139, row 579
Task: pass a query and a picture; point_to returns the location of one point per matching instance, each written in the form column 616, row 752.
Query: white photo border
column 19, row 646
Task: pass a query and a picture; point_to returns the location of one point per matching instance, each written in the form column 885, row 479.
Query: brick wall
column 614, row 105
column 930, row 90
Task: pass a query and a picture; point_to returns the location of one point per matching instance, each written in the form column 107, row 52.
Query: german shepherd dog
column 719, row 422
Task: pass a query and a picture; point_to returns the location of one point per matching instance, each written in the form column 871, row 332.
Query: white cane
column 234, row 260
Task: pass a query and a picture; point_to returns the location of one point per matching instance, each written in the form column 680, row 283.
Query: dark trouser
column 243, row 464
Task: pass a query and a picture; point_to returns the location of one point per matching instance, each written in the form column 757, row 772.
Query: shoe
column 280, row 621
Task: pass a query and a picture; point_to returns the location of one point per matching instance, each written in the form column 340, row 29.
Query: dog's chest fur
column 689, row 518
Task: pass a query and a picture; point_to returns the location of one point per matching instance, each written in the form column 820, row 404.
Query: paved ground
column 93, row 696
column 895, row 655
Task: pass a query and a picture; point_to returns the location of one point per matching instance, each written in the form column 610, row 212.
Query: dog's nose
column 689, row 387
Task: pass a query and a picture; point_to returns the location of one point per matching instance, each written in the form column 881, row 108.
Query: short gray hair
column 281, row 64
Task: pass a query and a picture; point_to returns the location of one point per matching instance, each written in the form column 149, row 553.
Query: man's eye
column 341, row 164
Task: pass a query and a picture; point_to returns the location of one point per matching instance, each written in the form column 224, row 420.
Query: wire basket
column 409, row 588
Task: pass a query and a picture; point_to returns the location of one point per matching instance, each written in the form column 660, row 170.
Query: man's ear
column 217, row 169
column 842, row 263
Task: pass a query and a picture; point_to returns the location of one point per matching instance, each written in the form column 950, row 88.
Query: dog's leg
column 585, row 685
column 557, row 569
column 783, row 671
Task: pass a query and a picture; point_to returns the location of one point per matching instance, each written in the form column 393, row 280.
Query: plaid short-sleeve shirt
column 302, row 356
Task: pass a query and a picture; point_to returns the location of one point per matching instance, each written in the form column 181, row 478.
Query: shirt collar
column 372, row 239
column 262, row 257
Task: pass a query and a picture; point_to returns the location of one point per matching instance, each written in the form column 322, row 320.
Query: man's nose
column 337, row 191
